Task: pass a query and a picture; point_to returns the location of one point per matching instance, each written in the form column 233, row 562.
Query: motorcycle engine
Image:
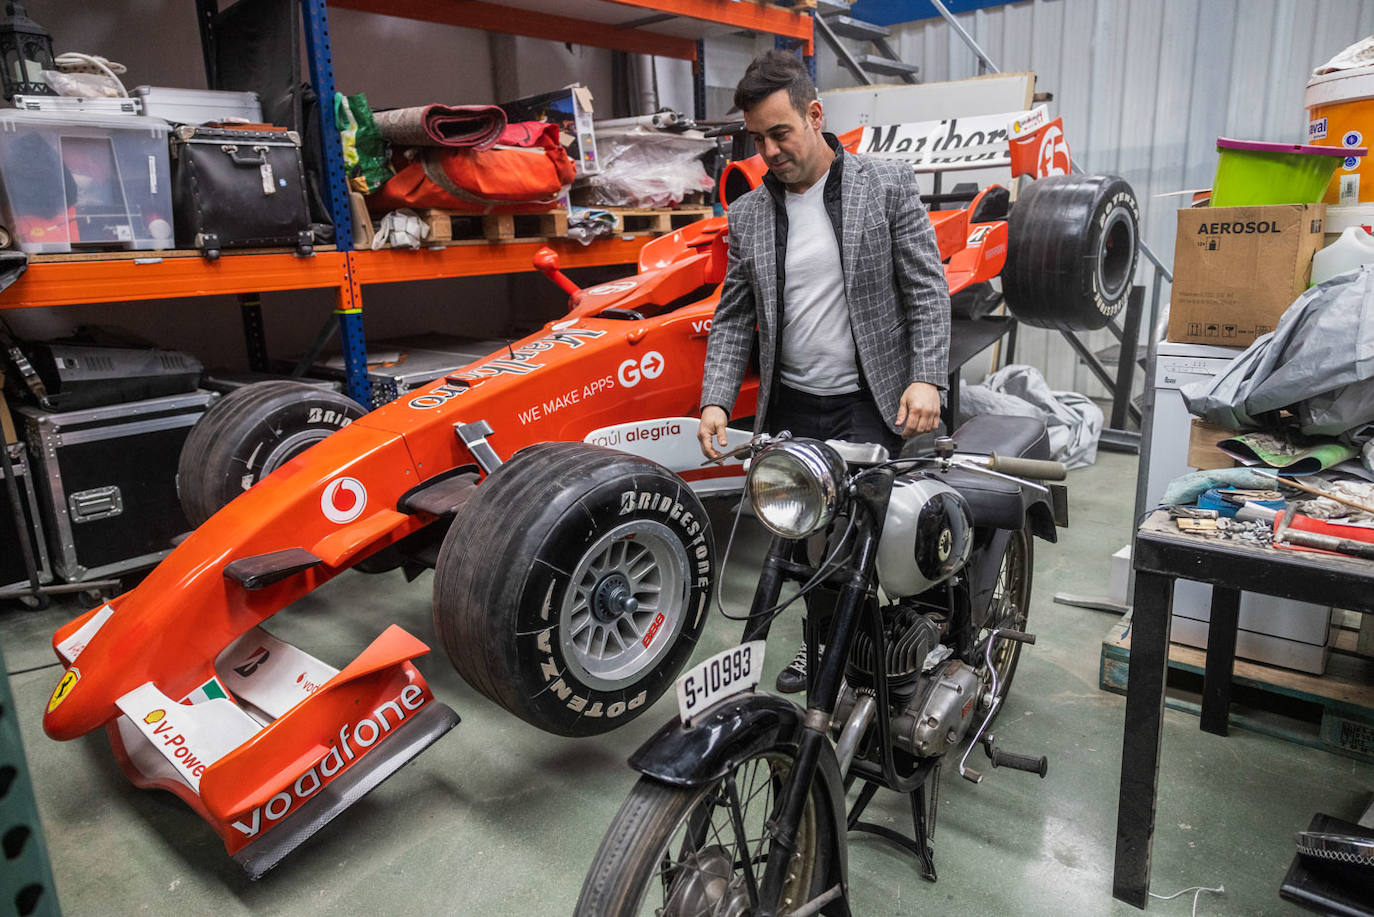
column 927, row 536
column 938, row 720
column 934, row 697
column 910, row 637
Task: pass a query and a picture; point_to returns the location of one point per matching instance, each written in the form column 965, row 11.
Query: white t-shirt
column 818, row 354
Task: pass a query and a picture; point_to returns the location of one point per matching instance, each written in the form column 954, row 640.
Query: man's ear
column 815, row 114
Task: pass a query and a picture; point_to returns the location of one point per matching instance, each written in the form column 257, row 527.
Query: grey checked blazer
column 893, row 280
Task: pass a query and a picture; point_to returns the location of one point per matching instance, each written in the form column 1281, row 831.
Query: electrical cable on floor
column 37, row 668
column 1197, row 891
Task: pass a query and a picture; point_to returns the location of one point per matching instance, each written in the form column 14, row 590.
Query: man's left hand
column 919, row 409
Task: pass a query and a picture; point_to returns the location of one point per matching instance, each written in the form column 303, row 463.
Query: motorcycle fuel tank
column 927, row 536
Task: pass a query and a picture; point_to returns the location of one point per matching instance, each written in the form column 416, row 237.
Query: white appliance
column 1272, row 630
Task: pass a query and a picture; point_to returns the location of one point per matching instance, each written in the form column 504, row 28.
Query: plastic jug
column 1354, row 248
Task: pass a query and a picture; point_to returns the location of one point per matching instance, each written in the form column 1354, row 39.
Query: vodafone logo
column 343, row 500
column 1053, row 158
column 649, row 366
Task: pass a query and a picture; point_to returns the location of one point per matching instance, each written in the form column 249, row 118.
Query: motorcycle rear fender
column 729, row 732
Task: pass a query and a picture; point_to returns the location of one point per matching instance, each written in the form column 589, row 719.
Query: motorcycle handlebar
column 1027, row 468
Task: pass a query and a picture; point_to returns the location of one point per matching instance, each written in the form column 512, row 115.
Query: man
column 834, row 261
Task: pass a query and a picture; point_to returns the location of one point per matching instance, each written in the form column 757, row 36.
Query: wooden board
column 1334, row 711
column 363, row 230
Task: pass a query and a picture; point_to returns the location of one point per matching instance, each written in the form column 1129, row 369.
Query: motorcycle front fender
column 730, row 732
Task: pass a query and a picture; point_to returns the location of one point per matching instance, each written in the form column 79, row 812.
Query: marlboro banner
column 1026, row 141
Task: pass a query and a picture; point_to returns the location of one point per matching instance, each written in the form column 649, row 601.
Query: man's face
column 791, row 145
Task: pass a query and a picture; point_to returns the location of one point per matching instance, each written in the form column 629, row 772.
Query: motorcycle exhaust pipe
column 857, row 723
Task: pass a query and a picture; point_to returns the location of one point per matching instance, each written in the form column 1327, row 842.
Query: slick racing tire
column 1071, row 251
column 678, row 851
column 248, row 434
column 573, row 585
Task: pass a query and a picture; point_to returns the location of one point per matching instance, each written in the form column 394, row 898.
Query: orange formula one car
column 553, row 488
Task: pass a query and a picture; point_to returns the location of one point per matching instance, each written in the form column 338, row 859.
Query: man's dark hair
column 771, row 71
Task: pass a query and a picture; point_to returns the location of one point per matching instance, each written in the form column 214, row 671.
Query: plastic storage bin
column 1252, row 174
column 72, row 181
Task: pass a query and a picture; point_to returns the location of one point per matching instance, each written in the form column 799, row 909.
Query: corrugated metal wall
column 1145, row 88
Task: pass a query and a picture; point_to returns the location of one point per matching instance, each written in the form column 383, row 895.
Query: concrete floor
column 498, row 818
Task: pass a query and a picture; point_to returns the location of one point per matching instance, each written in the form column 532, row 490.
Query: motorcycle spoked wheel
column 677, row 852
column 572, row 586
column 1010, row 607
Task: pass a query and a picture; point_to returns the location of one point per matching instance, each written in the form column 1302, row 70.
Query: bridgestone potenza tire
column 248, row 434
column 647, row 863
column 573, row 585
column 1071, row 251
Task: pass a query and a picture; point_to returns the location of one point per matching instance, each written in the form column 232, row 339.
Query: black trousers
column 852, row 417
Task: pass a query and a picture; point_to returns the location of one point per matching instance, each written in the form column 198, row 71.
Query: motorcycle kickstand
column 920, row 846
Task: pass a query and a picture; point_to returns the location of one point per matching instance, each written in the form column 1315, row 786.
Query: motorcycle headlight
column 796, row 487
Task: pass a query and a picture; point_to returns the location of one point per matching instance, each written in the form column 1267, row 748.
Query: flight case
column 106, row 481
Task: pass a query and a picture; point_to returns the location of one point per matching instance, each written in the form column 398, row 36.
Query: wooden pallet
column 657, row 222
column 1334, row 711
column 447, row 226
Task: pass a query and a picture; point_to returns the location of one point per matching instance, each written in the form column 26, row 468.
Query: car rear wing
column 1027, row 142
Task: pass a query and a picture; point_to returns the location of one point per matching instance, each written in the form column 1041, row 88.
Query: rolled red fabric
column 474, row 126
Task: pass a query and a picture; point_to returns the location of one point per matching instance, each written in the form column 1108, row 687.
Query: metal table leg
column 1135, row 815
column 1221, row 659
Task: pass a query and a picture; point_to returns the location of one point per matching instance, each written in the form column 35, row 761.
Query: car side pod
column 266, row 789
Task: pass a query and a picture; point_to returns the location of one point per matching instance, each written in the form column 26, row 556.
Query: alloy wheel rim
column 625, row 604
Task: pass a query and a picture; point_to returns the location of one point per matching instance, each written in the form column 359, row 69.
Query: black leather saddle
column 994, row 502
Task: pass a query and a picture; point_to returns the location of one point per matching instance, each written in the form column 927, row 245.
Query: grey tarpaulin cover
column 1073, row 421
column 1319, row 362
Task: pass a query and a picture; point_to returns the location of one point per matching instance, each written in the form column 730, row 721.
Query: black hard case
column 14, row 577
column 238, row 189
column 106, row 481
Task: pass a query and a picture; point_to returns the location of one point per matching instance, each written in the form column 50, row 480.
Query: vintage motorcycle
column 925, row 580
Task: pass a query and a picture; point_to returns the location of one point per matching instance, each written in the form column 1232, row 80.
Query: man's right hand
column 712, row 430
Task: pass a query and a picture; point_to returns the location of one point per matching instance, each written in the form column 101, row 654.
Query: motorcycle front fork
column 822, row 695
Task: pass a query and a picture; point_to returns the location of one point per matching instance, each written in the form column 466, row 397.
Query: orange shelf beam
column 491, row 17
column 392, row 265
column 60, row 283
column 740, row 14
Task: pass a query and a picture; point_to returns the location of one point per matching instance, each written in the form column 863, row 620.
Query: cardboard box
column 1203, row 453
column 1236, row 269
column 571, row 109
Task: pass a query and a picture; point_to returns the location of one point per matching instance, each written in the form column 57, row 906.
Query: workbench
column 1160, row 555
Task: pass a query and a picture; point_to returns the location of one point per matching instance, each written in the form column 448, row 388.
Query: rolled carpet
column 476, row 126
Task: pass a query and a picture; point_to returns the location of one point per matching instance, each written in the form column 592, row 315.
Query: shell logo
column 154, row 717
column 343, row 500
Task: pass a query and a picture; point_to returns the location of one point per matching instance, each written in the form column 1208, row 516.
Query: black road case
column 106, row 481
column 14, row 577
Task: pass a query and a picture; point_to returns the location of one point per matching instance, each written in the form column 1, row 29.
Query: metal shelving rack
column 669, row 28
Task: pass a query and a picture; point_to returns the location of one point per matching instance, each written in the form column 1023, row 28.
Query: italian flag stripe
column 209, row 691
